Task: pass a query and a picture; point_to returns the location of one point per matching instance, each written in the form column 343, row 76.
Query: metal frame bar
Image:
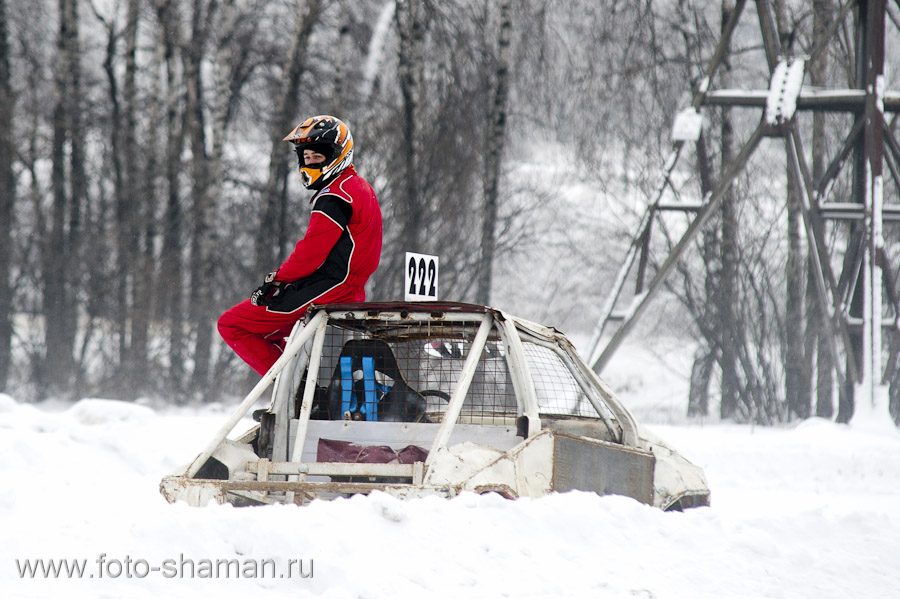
column 848, row 211
column 890, row 284
column 824, row 277
column 873, row 197
column 523, row 383
column 420, row 316
column 293, row 347
column 283, row 400
column 834, row 167
column 841, row 100
column 451, row 415
column 312, row 377
column 587, row 380
column 333, row 469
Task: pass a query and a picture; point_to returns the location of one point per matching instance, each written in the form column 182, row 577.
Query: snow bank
column 7, row 403
column 108, row 411
column 808, row 511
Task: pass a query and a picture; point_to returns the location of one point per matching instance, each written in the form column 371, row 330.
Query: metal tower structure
column 858, row 300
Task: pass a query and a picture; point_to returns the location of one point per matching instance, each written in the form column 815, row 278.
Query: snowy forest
column 144, row 186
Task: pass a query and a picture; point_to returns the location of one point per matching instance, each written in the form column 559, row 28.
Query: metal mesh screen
column 557, row 390
column 406, row 372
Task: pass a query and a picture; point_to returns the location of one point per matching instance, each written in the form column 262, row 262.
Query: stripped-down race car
column 432, row 398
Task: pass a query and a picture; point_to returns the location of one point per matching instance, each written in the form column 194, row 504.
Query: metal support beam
column 712, row 202
column 647, row 221
column 873, row 199
column 821, row 100
column 826, row 292
column 858, row 295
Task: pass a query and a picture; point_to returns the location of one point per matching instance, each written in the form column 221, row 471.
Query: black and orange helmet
column 328, row 136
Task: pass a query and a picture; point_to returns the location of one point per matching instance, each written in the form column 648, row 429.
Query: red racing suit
column 331, row 264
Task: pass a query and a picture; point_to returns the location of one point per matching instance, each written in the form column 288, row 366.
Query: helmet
column 328, row 136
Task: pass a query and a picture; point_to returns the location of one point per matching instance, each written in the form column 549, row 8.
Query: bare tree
column 729, row 325
column 148, row 295
column 62, row 248
column 493, row 158
column 117, row 285
column 7, row 198
column 136, row 250
column 172, row 259
column 411, row 21
column 434, row 186
column 342, row 75
column 719, row 322
column 272, row 240
column 200, row 305
column 456, row 95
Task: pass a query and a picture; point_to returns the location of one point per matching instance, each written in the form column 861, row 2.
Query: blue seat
column 367, row 385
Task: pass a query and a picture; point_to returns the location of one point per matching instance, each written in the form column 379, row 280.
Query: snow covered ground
column 811, row 510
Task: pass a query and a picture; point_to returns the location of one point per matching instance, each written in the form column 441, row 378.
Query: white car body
column 432, row 398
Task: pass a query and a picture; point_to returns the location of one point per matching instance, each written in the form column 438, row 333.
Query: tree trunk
column 138, row 218
column 411, row 209
column 727, row 296
column 61, row 250
column 7, row 200
column 79, row 183
column 701, row 375
column 227, row 88
column 119, row 283
column 494, row 144
column 342, row 74
column 271, row 241
column 172, row 261
column 202, row 269
column 704, row 312
column 53, row 251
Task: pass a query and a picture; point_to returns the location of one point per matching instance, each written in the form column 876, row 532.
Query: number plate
column 421, row 277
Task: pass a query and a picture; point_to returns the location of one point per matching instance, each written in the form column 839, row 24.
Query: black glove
column 266, row 293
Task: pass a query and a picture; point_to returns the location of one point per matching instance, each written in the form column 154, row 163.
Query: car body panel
column 429, row 398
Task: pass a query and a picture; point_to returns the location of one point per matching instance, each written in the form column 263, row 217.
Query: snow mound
column 94, row 412
column 794, row 510
column 7, row 404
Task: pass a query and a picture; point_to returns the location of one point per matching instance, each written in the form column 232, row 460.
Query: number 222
column 425, row 271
